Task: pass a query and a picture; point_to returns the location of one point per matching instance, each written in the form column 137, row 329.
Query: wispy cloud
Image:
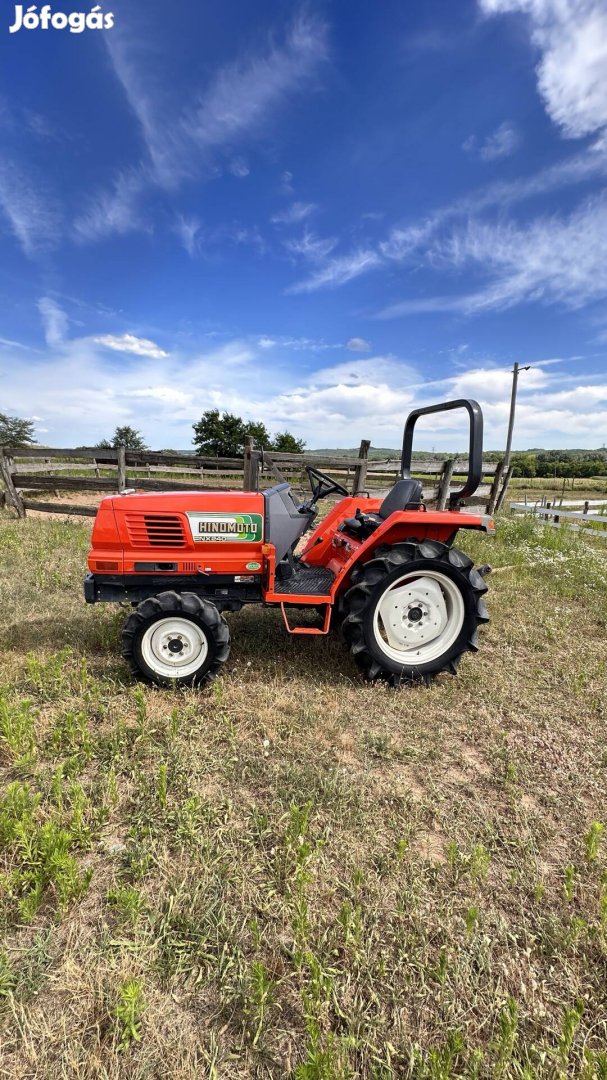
column 549, row 260
column 338, row 271
column 572, row 75
column 8, row 343
column 239, row 167
column 136, row 75
column 245, row 96
column 357, row 344
column 188, row 230
column 571, row 36
column 130, row 343
column 296, row 212
column 31, row 213
column 411, row 243
column 501, row 143
column 238, row 107
column 116, row 210
column 311, row 247
column 54, row 321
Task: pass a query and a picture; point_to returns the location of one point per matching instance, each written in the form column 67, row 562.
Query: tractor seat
column 405, row 495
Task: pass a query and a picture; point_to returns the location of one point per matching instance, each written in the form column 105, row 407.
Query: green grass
column 293, row 874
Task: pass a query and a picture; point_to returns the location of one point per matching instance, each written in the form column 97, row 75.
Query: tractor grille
column 155, row 530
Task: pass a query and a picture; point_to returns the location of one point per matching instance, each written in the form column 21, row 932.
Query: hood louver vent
column 155, row 530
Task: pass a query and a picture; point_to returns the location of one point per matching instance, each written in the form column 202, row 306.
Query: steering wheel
column 322, row 485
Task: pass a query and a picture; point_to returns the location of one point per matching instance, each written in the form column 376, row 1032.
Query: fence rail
column 26, row 471
column 578, row 520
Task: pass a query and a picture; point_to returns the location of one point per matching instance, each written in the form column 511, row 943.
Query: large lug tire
column 412, row 611
column 176, row 639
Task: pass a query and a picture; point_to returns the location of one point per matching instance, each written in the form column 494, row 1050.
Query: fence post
column 495, row 487
column 248, row 479
column 121, row 468
column 6, row 466
column 360, row 469
column 443, row 485
column 502, row 494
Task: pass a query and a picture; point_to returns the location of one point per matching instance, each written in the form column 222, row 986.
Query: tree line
column 223, row 435
column 215, row 435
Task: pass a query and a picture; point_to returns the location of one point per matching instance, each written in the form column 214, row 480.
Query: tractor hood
column 181, row 527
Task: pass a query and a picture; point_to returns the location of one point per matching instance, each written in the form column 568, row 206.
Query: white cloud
column 245, row 96
column 8, row 343
column 495, row 384
column 311, row 247
column 338, row 271
column 189, row 232
column 381, row 370
column 357, row 344
column 54, row 321
column 294, row 213
column 167, row 394
column 298, row 344
column 548, row 259
column 239, row 168
column 75, row 389
column 571, row 36
column 129, row 343
column 238, row 107
column 116, row 210
column 501, row 143
column 286, row 182
column 127, row 54
column 31, row 213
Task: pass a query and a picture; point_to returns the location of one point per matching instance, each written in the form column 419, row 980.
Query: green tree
column 524, row 464
column 259, row 433
column 285, row 443
column 219, row 435
column 224, row 434
column 16, row 432
column 124, row 436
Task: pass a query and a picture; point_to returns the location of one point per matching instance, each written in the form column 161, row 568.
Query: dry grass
column 295, row 874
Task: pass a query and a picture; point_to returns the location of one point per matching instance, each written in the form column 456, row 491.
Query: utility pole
column 496, row 500
column 515, row 371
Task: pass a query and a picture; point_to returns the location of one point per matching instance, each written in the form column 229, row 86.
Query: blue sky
column 318, row 216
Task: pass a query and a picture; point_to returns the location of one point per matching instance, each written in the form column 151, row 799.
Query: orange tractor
column 407, row 602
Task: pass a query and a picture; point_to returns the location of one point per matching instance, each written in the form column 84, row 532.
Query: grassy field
column 295, row 874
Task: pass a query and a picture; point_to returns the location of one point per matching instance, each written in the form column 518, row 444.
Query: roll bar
column 475, row 451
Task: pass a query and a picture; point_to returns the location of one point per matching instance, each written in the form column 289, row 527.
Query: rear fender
column 441, row 525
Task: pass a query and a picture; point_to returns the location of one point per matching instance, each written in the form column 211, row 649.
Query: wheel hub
column 174, row 646
column 414, row 614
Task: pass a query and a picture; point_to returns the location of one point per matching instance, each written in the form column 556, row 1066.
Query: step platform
column 309, row 581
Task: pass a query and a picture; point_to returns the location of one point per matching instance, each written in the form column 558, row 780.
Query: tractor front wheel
column 412, row 611
column 176, row 639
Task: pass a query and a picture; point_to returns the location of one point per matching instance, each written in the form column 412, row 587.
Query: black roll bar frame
column 475, row 450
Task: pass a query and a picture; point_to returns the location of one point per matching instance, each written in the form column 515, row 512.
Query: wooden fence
column 586, row 520
column 29, row 473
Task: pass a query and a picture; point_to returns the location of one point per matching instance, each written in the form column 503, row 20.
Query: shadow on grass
column 81, row 633
column 260, row 644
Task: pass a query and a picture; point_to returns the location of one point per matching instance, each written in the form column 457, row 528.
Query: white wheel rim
column 418, row 618
column 174, row 647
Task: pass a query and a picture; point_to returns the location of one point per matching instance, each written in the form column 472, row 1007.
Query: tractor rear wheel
column 412, row 611
column 176, row 639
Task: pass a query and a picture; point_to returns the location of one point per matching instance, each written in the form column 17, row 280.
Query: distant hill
column 440, row 455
